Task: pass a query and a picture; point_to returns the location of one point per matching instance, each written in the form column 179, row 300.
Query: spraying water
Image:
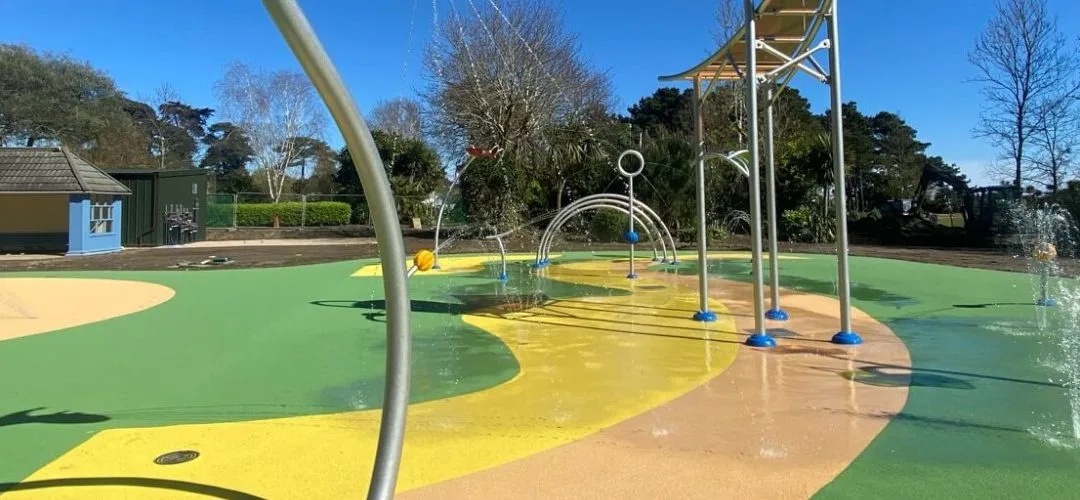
column 1044, row 235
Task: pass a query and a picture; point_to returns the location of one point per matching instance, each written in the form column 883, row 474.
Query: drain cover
column 176, row 457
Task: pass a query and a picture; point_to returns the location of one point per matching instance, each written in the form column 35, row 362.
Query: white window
column 101, row 214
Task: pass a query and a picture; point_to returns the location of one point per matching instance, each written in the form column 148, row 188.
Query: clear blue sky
column 906, row 57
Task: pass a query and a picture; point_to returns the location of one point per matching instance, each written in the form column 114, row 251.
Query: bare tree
column 160, row 138
column 1023, row 64
column 400, row 116
column 505, row 76
column 274, row 109
column 1054, row 140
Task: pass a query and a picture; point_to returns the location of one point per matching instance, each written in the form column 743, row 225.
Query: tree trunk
column 558, row 197
column 30, row 142
column 1019, row 151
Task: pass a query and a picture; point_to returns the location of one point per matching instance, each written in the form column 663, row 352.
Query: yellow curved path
column 586, row 364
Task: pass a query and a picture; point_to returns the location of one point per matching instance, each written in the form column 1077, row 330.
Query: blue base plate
column 776, row 315
column 847, row 338
column 760, row 340
column 705, row 316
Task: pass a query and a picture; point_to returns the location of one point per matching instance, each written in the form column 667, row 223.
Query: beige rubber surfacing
column 778, row 423
column 30, row 306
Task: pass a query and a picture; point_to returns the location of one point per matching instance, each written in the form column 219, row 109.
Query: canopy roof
column 52, row 170
column 787, row 25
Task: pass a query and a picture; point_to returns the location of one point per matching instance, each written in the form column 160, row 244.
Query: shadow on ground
column 60, row 417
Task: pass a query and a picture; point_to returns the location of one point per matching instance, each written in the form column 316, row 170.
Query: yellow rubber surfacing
column 586, row 364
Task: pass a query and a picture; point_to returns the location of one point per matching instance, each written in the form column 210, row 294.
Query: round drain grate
column 176, row 457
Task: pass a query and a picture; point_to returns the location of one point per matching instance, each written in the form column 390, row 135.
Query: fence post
column 303, row 210
column 235, row 208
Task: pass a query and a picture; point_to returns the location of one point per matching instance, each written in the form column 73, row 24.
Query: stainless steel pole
column 632, row 274
column 502, row 257
column 759, row 338
column 442, row 207
column 774, row 313
column 703, row 314
column 845, row 335
column 301, row 39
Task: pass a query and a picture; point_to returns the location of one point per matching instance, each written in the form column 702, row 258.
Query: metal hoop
column 635, row 154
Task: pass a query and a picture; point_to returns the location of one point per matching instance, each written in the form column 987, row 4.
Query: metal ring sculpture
column 565, row 213
column 651, row 229
column 568, row 211
column 297, row 32
column 631, row 235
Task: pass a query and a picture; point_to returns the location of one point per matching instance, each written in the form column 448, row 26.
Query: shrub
column 807, row 225
column 609, row 226
column 327, row 213
column 219, row 215
column 293, row 214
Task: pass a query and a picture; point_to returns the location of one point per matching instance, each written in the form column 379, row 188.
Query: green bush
column 293, row 213
column 807, row 225
column 327, row 213
column 608, row 226
column 219, row 215
column 688, row 234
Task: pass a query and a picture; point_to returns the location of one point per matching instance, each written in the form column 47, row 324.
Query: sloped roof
column 52, row 170
column 789, row 26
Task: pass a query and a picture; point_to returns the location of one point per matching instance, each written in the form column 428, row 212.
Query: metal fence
column 238, row 210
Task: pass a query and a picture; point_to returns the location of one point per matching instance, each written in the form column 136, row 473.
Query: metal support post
column 703, row 314
column 774, row 313
column 759, row 338
column 300, row 37
column 845, row 335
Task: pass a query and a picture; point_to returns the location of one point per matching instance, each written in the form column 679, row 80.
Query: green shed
column 166, row 206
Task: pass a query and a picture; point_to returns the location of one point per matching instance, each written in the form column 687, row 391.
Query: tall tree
column 273, row 109
column 1055, row 140
column 227, row 156
column 314, row 166
column 666, row 110
column 56, row 99
column 1023, row 63
column 503, row 76
column 401, row 116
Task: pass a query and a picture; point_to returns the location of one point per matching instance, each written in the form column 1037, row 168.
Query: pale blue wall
column 80, row 241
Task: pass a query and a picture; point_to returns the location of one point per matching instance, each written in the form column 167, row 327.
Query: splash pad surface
column 621, row 382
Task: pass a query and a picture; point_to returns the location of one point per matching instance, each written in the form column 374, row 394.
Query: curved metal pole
column 638, row 204
column 574, row 209
column 650, row 229
column 502, row 255
column 730, row 159
column 442, row 207
column 545, row 240
column 595, row 206
column 300, row 37
column 569, row 211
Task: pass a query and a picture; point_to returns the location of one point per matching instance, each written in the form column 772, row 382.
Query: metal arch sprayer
column 300, row 37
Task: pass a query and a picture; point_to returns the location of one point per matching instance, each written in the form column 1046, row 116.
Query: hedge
column 293, row 213
column 219, row 215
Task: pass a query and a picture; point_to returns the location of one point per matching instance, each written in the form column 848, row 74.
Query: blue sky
column 907, row 57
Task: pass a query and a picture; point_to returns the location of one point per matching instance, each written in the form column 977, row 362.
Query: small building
column 166, row 207
column 53, row 201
